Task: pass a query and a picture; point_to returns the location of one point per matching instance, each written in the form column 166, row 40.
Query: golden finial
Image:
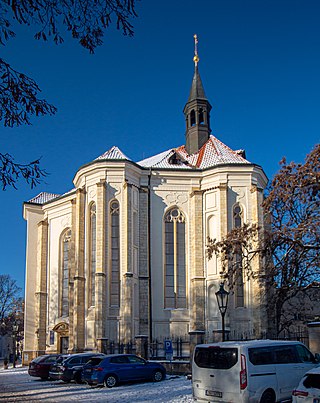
column 196, row 57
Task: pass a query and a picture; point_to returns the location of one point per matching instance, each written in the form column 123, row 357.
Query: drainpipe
column 149, row 254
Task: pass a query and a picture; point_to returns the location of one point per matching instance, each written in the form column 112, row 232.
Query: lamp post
column 15, row 329
column 222, row 299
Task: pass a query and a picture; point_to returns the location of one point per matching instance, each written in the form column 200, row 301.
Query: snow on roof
column 212, row 153
column 43, row 197
column 166, row 159
column 113, row 154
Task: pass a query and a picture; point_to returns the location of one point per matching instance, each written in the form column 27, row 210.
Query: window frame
column 65, row 238
column 177, row 262
column 92, row 253
column 114, row 274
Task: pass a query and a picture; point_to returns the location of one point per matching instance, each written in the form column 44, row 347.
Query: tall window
column 92, row 254
column 115, row 255
column 192, row 118
column 64, row 279
column 175, row 260
column 201, row 116
column 239, row 286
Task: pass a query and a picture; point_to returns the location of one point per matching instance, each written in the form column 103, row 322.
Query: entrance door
column 64, row 345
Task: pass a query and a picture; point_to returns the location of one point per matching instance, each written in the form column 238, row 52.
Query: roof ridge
column 227, row 147
column 113, row 153
column 201, row 154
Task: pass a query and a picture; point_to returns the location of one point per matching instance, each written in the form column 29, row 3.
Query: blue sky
column 259, row 63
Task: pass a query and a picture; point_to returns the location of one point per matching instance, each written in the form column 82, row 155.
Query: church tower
column 197, row 111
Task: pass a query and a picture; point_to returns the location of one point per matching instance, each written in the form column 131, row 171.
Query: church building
column 123, row 254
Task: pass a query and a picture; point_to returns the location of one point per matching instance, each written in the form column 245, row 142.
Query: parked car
column 40, row 366
column 256, row 371
column 70, row 369
column 308, row 390
column 118, row 368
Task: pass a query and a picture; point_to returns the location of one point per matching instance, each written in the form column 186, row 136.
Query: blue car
column 119, row 368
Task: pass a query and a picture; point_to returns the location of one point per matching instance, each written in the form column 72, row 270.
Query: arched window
column 64, row 273
column 115, row 255
column 175, row 260
column 201, row 116
column 192, row 118
column 239, row 286
column 92, row 254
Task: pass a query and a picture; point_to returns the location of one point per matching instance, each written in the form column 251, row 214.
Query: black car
column 40, row 366
column 70, row 369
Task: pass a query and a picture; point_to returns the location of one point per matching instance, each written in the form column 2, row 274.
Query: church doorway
column 62, row 330
column 64, row 344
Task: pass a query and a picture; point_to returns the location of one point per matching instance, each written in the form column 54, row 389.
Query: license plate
column 213, row 393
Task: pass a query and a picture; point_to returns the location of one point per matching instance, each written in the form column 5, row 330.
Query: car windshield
column 60, row 359
column 216, row 357
column 94, row 361
column 41, row 358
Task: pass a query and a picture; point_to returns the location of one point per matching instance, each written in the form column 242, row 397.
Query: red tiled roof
column 212, row 153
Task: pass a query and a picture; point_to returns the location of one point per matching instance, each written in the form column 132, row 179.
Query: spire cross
column 196, row 57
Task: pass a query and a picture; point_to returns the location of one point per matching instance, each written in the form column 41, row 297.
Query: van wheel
column 268, row 396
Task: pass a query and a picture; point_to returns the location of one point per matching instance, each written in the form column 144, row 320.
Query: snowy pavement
column 17, row 386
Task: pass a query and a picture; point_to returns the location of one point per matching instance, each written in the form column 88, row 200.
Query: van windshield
column 216, row 357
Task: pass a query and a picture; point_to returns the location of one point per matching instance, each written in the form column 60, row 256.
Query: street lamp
column 222, row 299
column 15, row 329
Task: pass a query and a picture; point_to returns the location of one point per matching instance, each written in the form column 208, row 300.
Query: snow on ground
column 17, row 386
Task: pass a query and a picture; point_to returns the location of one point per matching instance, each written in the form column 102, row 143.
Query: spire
column 196, row 58
column 197, row 90
column 197, row 110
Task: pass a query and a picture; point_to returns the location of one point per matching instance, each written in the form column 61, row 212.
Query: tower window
column 201, row 117
column 192, row 118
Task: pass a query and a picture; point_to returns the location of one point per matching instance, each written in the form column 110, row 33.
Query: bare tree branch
column 9, row 293
column 11, row 172
column 289, row 245
column 86, row 21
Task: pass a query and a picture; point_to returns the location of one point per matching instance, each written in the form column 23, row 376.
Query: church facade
column 123, row 254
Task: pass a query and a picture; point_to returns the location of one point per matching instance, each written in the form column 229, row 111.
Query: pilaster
column 144, row 307
column 127, row 275
column 72, row 272
column 127, row 307
column 41, row 291
column 223, row 191
column 100, row 295
column 197, row 281
column 79, row 278
column 258, row 295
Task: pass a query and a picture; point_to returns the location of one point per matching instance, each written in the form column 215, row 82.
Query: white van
column 258, row 371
